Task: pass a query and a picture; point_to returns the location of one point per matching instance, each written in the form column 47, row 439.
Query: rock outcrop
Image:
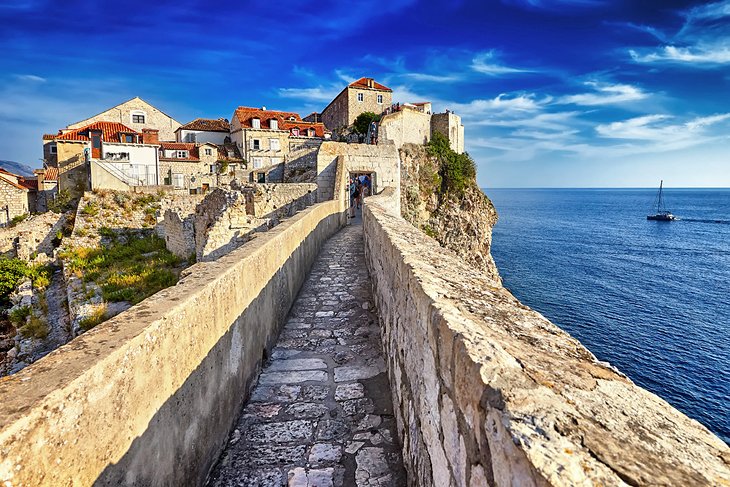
column 459, row 222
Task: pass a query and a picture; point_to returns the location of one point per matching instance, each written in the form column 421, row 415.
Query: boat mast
column 660, row 204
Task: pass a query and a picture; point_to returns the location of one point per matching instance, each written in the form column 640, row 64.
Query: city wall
column 488, row 392
column 149, row 396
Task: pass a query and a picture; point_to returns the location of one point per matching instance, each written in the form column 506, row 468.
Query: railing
column 146, row 179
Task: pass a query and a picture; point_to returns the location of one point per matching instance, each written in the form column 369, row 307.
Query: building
column 202, row 130
column 106, row 155
column 415, row 123
column 136, row 114
column 363, row 95
column 188, row 166
column 449, row 124
column 265, row 139
column 16, row 195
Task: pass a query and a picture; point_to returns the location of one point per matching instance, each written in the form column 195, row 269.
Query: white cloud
column 605, row 94
column 716, row 10
column 718, row 54
column 485, row 63
column 30, row 77
column 319, row 93
column 655, row 128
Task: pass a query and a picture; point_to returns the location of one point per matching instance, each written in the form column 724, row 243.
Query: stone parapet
column 488, row 392
column 149, row 396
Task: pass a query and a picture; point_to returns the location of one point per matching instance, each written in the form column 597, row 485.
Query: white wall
column 202, row 136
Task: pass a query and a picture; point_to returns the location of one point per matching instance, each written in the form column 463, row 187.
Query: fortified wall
column 485, row 390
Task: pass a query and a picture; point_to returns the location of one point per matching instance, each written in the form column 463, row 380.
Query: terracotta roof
column 363, row 83
column 207, row 125
column 31, row 184
column 246, row 114
column 11, row 183
column 49, row 136
column 110, row 132
column 319, row 129
column 51, row 174
column 421, row 103
column 193, row 153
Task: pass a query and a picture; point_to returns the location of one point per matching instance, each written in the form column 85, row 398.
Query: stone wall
column 488, row 392
column 149, row 397
column 32, row 236
column 16, row 200
column 72, row 168
column 227, row 219
column 408, row 125
column 382, row 160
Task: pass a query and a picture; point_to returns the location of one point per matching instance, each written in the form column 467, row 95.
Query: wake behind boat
column 662, row 214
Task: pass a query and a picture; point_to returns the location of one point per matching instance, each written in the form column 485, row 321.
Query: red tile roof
column 246, row 114
column 363, row 83
column 49, row 136
column 31, row 184
column 51, row 174
column 110, row 132
column 11, row 183
column 319, row 129
column 207, row 125
column 193, row 154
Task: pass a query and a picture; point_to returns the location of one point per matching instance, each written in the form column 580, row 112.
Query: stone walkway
column 321, row 414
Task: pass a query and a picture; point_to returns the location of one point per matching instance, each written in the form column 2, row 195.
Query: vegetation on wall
column 13, row 271
column 457, row 171
column 130, row 269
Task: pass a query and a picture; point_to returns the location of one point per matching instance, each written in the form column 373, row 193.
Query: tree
column 363, row 121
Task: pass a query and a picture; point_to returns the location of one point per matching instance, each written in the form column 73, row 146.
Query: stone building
column 202, row 130
column 363, row 95
column 188, row 166
column 266, row 138
column 106, row 155
column 449, row 124
column 50, row 150
column 136, row 114
column 15, row 196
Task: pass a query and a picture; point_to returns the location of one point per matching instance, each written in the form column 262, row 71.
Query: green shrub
column 92, row 209
column 106, row 232
column 12, row 271
column 121, row 199
column 18, row 219
column 18, row 316
column 36, row 328
column 363, row 121
column 457, row 171
column 40, row 275
column 63, row 202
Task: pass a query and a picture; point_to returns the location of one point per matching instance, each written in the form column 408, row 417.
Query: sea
column 652, row 298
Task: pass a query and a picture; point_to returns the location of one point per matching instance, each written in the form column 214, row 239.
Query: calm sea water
column 652, row 298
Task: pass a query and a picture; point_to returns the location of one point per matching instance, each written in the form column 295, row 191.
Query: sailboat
column 661, row 214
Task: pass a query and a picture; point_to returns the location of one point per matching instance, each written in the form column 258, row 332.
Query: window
column 258, row 162
column 128, row 138
column 190, row 137
column 261, row 177
column 181, row 154
column 295, row 132
column 274, row 144
column 53, row 148
column 360, row 97
column 178, row 180
column 275, row 161
column 212, row 169
column 274, row 124
column 380, row 99
column 310, row 132
column 138, row 116
column 256, row 123
column 208, row 152
column 256, row 144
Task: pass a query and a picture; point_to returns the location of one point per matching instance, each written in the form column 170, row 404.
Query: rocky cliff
column 458, row 220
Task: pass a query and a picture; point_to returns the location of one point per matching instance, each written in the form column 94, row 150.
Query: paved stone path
column 321, row 414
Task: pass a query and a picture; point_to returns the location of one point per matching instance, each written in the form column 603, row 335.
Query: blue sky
column 553, row 93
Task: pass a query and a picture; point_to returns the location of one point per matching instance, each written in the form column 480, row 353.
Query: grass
column 129, row 271
column 36, row 328
column 18, row 219
column 92, row 209
column 19, row 316
column 96, row 317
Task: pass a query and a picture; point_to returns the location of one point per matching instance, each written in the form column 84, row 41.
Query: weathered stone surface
column 487, row 391
column 326, row 417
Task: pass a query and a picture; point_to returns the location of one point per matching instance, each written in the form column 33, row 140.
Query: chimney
column 41, row 175
column 150, row 136
column 263, row 108
column 371, row 83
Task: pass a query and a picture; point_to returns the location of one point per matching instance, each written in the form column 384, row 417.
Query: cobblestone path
column 321, row 414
